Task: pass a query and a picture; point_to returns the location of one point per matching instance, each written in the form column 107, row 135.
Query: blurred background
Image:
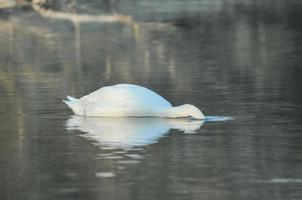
column 238, row 58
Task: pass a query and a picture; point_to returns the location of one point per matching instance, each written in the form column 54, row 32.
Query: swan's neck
column 175, row 112
column 185, row 110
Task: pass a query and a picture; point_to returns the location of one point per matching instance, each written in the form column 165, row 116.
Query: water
column 230, row 58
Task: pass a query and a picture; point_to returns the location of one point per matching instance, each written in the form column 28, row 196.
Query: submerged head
column 187, row 110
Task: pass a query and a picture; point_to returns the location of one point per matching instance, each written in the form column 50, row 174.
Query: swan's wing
column 123, row 99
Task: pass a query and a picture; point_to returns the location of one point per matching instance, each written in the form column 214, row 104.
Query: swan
column 128, row 100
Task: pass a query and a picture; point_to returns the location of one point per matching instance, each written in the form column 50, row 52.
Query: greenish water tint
column 239, row 59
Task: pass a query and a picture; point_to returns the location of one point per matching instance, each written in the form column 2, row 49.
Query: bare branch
column 82, row 18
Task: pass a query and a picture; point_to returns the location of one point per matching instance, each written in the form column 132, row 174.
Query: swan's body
column 126, row 100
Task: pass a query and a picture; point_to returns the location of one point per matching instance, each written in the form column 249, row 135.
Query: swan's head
column 187, row 110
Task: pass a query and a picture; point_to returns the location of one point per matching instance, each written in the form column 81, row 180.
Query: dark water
column 233, row 58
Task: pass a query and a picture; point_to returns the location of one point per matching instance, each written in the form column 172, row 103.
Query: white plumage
column 127, row 100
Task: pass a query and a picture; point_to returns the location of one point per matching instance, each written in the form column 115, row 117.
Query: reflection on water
column 123, row 139
column 125, row 133
column 234, row 58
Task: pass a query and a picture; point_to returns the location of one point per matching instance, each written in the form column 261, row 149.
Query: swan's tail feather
column 73, row 104
column 68, row 103
column 71, row 101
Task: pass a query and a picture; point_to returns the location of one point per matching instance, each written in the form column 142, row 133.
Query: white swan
column 127, row 100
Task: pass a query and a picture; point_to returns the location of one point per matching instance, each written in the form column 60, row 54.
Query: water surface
column 229, row 58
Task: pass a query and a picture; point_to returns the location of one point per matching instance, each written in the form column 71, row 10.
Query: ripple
column 134, row 156
column 105, row 174
column 128, row 162
column 217, row 118
column 114, row 157
column 286, row 180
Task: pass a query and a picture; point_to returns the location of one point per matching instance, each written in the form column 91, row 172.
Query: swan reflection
column 129, row 132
